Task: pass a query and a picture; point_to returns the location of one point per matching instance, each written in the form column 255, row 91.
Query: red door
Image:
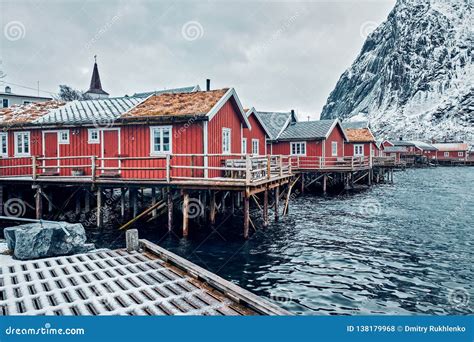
column 110, row 149
column 51, row 151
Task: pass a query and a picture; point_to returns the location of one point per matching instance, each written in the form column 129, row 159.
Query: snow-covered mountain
column 414, row 76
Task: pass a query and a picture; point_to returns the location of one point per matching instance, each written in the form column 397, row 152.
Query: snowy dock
column 151, row 281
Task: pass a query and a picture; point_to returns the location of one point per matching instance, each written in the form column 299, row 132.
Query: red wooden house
column 255, row 139
column 361, row 140
column 451, row 151
column 131, row 133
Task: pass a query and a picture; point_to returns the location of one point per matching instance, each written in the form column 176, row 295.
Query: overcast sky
column 278, row 55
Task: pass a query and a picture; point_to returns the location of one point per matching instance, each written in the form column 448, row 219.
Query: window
column 63, row 137
column 160, row 139
column 460, row 154
column 93, row 136
column 22, row 143
column 358, row 150
column 5, row 103
column 298, row 148
column 334, row 149
column 255, row 145
column 446, row 154
column 244, row 145
column 26, row 102
column 4, row 144
column 226, row 140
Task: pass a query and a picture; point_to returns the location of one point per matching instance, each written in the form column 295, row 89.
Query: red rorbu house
column 361, row 140
column 451, row 152
column 255, row 139
column 394, row 152
column 132, row 137
column 311, row 144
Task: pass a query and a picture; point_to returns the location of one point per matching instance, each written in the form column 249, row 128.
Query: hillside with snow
column 414, row 75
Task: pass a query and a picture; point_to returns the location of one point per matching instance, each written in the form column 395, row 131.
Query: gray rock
column 47, row 239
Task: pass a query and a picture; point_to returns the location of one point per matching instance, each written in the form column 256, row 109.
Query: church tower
column 95, row 89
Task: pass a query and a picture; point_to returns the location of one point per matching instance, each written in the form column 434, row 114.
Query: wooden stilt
column 87, row 202
column 185, row 213
column 153, row 200
column 277, row 203
column 122, row 202
column 212, row 208
column 265, row 208
column 99, row 208
column 325, row 183
column 1, row 200
column 302, row 183
column 78, row 202
column 246, row 215
column 232, row 202
column 134, row 195
column 223, row 202
column 39, row 203
column 369, row 176
column 170, row 209
column 50, row 201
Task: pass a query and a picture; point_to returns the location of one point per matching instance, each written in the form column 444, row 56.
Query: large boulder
column 46, row 239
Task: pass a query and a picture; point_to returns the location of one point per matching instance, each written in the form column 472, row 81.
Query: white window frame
column 256, row 146
column 334, row 146
column 91, row 140
column 62, row 140
column 161, row 129
column 460, row 154
column 446, row 154
column 3, row 137
column 244, row 146
column 226, row 142
column 294, row 148
column 22, row 154
column 356, row 147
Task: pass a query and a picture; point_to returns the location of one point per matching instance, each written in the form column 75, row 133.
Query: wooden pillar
column 87, row 202
column 325, row 183
column 153, row 200
column 122, row 202
column 78, row 202
column 232, row 202
column 99, row 208
column 185, row 213
column 369, row 175
column 277, row 203
column 246, row 215
column 134, row 195
column 223, row 202
column 50, row 202
column 169, row 199
column 302, row 183
column 265, row 208
column 39, row 203
column 1, row 200
column 212, row 208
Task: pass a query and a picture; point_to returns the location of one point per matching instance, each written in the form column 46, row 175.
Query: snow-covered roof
column 423, row 145
column 25, row 114
column 451, row 147
column 389, row 149
column 90, row 111
column 180, row 90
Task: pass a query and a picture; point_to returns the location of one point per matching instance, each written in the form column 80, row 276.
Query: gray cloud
column 278, row 55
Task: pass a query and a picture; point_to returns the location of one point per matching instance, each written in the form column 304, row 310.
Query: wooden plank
column 246, row 215
column 185, row 213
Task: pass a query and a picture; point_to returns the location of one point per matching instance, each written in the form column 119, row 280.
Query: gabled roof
column 274, row 122
column 189, row 89
column 24, row 114
column 204, row 104
column 445, row 147
column 254, row 112
column 391, row 149
column 355, row 124
column 89, row 111
column 402, row 143
column 310, row 130
column 424, row 146
column 359, row 135
column 96, row 85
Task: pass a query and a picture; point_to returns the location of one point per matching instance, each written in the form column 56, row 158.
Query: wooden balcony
column 330, row 164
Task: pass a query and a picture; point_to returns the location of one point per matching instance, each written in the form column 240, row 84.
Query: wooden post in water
column 78, row 202
column 185, row 213
column 223, row 202
column 369, row 175
column 169, row 198
column 1, row 200
column 134, row 195
column 302, row 183
column 212, row 208
column 153, row 200
column 246, row 214
column 122, row 202
column 39, row 202
column 277, row 203
column 87, row 201
column 325, row 183
column 99, row 207
column 265, row 208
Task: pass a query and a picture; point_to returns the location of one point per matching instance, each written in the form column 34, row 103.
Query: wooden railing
column 330, row 163
column 229, row 167
column 384, row 161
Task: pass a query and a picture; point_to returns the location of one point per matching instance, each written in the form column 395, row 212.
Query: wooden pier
column 151, row 281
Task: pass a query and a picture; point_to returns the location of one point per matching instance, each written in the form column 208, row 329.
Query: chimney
column 8, row 90
column 208, row 84
column 401, row 138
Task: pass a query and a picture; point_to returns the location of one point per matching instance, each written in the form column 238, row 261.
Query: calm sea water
column 403, row 248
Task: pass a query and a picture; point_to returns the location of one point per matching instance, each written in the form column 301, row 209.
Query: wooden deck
column 152, row 281
column 330, row 164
